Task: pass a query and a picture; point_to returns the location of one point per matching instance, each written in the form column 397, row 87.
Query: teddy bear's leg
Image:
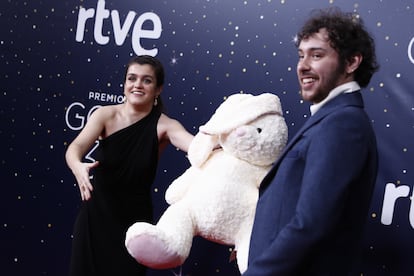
column 179, row 227
column 242, row 244
column 165, row 245
column 242, row 255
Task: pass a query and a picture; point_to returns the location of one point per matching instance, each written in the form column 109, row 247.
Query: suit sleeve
column 334, row 157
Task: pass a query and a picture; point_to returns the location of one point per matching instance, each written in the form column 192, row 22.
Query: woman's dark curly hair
column 348, row 36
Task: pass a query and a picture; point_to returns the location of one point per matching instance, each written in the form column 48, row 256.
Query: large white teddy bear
column 216, row 197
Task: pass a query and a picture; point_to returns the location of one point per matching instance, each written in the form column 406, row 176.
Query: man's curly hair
column 347, row 35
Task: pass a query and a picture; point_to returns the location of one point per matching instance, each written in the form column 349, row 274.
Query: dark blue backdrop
column 55, row 70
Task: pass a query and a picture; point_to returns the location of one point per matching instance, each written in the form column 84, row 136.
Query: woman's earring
column 155, row 101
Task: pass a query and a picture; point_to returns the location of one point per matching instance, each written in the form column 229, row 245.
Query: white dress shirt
column 348, row 87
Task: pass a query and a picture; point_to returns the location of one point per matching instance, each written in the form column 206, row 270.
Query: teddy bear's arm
column 179, row 187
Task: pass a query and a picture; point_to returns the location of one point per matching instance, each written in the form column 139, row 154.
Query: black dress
column 121, row 196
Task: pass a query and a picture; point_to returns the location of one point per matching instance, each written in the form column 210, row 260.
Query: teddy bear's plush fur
column 216, row 197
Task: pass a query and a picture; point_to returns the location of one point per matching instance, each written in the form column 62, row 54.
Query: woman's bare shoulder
column 166, row 122
column 174, row 131
column 164, row 118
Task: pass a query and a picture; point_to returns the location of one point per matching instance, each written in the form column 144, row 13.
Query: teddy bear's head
column 249, row 127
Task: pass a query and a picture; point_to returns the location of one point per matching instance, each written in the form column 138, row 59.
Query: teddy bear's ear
column 201, row 148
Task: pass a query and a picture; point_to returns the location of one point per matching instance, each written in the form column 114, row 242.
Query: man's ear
column 353, row 63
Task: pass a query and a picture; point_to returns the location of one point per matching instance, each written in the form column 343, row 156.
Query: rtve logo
column 120, row 30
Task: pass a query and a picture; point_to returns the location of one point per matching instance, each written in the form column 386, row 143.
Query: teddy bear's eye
column 259, row 130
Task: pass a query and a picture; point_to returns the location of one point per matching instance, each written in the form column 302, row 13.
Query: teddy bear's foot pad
column 152, row 252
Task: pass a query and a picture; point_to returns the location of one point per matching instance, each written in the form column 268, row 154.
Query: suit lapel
column 340, row 101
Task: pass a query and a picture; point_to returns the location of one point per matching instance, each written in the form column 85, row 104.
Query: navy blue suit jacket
column 315, row 200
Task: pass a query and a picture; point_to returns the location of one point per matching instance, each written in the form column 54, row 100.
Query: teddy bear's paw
column 149, row 246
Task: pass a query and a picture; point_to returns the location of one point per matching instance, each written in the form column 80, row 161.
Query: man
column 314, row 202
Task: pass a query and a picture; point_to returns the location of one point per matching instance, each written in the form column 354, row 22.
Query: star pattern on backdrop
column 210, row 49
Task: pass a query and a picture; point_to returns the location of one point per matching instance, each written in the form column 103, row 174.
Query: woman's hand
column 81, row 172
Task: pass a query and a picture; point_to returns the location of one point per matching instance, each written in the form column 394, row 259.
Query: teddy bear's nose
column 240, row 131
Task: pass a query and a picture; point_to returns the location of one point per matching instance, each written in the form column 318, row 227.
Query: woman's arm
column 175, row 132
column 78, row 148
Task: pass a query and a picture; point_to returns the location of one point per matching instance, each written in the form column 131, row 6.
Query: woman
column 131, row 136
